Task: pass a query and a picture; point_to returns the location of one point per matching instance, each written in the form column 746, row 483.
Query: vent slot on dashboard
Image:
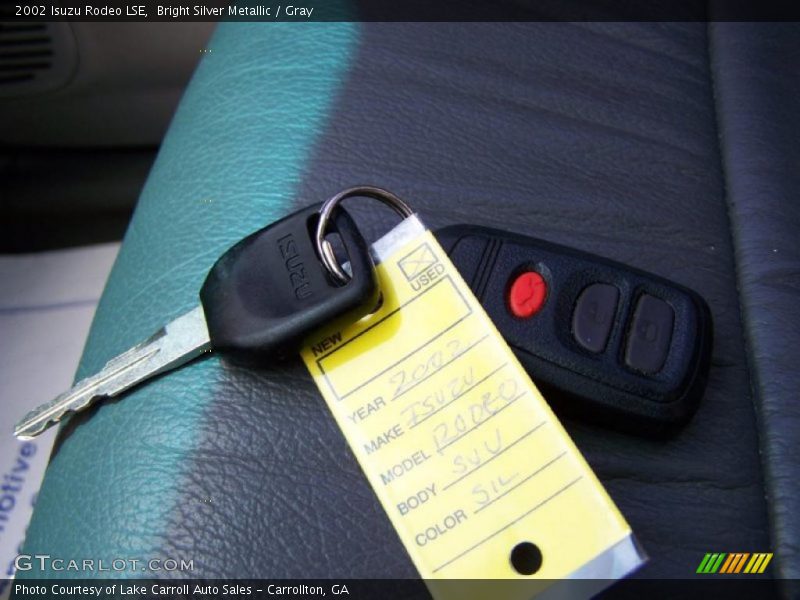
column 24, row 50
column 35, row 57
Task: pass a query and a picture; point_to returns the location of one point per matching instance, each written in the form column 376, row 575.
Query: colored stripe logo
column 734, row 562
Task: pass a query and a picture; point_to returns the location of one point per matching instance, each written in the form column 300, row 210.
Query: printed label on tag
column 477, row 476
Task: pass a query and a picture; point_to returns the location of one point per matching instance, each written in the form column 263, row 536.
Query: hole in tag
column 526, row 558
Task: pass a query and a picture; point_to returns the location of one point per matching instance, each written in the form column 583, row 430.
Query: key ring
column 324, row 247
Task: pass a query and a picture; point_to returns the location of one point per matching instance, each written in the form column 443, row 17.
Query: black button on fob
column 594, row 316
column 607, row 343
column 650, row 334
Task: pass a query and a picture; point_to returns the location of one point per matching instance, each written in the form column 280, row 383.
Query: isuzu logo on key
column 294, row 267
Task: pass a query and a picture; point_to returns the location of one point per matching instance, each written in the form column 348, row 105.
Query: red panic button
column 527, row 294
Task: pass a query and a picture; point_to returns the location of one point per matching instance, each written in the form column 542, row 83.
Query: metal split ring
column 324, row 247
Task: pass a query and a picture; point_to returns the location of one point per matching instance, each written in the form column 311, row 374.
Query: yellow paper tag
column 461, row 449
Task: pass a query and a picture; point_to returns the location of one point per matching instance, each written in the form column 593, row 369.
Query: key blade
column 175, row 344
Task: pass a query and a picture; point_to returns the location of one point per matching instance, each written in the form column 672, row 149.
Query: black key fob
column 604, row 342
column 268, row 292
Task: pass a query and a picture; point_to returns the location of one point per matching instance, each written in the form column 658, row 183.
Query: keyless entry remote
column 603, row 341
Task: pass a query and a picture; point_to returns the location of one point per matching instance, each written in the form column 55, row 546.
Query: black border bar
column 399, row 10
column 713, row 586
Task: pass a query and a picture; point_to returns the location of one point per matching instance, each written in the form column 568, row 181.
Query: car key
column 604, row 342
column 260, row 300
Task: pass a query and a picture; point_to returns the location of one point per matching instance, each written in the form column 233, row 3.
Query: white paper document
column 47, row 302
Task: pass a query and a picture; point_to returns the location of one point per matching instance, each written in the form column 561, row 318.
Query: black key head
column 268, row 292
